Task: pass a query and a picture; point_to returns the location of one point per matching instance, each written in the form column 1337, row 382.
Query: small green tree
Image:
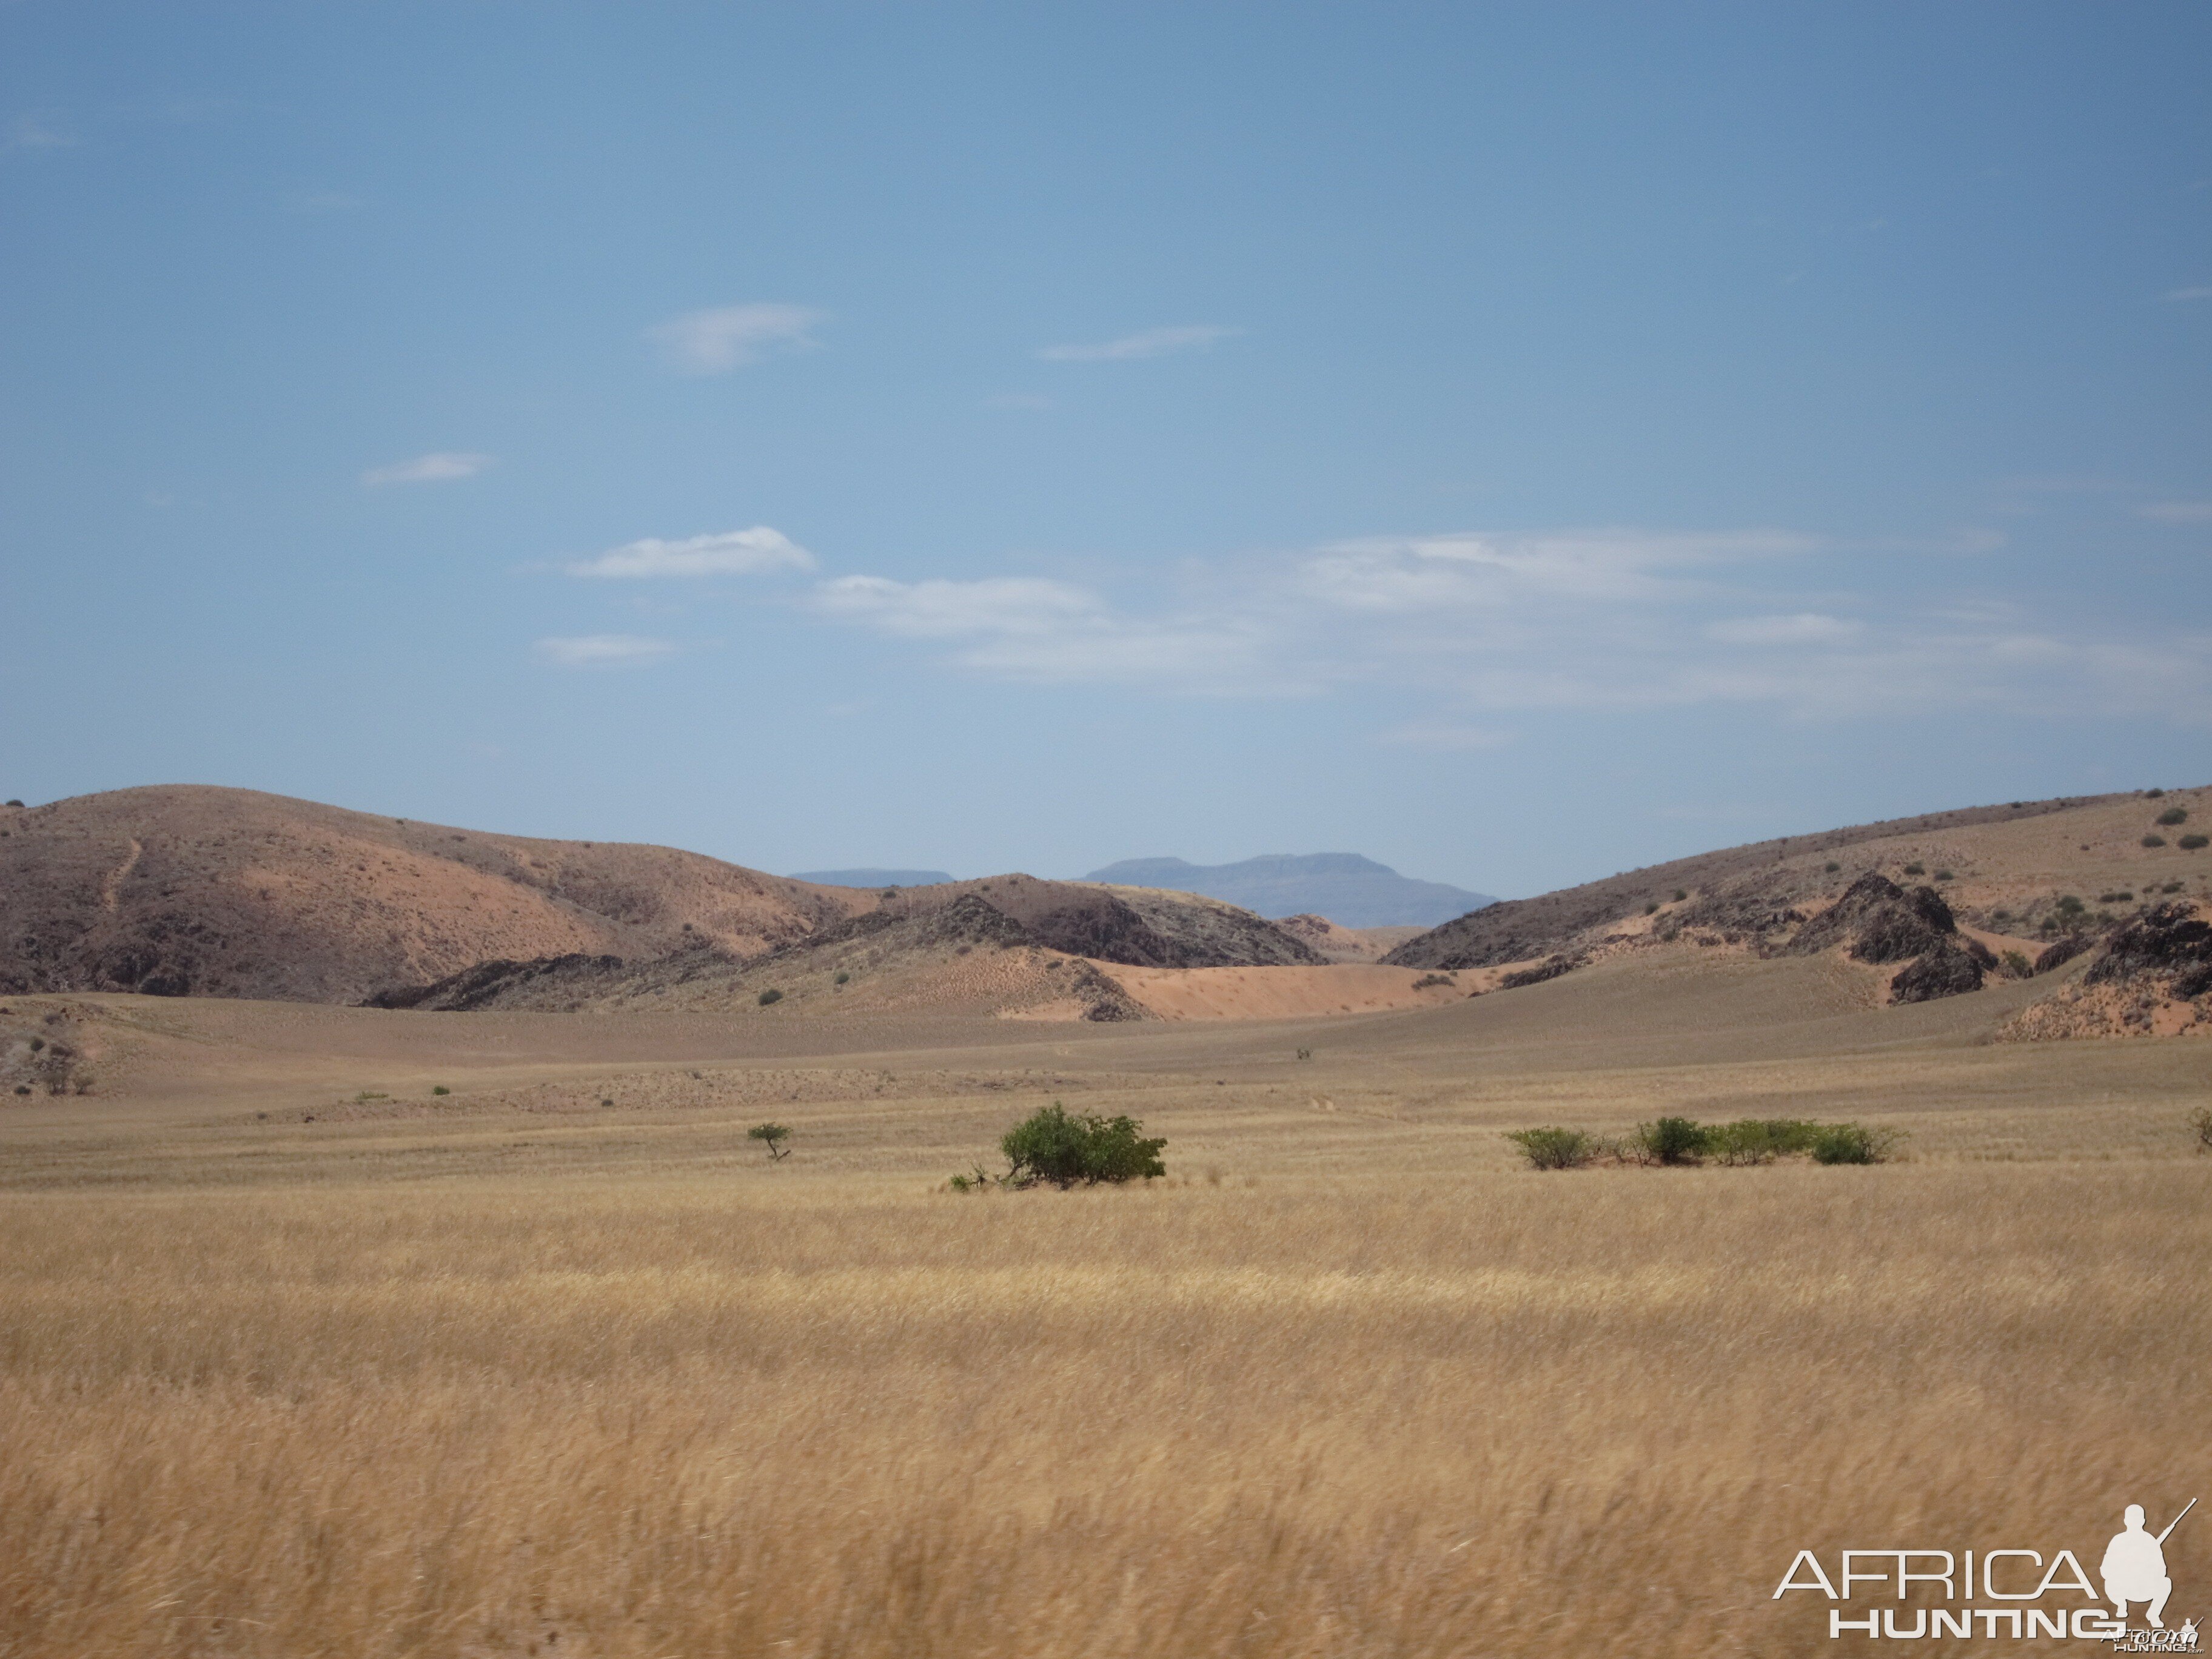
column 1553, row 1148
column 1051, row 1146
column 1673, row 1140
column 1852, row 1143
column 772, row 1136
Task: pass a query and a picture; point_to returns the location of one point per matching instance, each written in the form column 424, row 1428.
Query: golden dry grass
column 751, row 1414
column 507, row 1372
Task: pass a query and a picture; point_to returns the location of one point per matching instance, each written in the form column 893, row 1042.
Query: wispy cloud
column 715, row 341
column 2204, row 292
column 1146, row 342
column 37, row 132
column 732, row 553
column 2177, row 512
column 1479, row 623
column 1446, row 737
column 429, row 469
column 1805, row 627
column 605, row 650
column 1040, row 630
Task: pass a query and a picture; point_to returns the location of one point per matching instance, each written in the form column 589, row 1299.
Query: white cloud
column 605, row 650
column 1805, row 628
column 950, row 610
column 429, row 469
column 1034, row 629
column 1592, row 620
column 715, row 341
column 2189, row 293
column 732, row 553
column 2178, row 512
column 1146, row 342
column 1607, row 566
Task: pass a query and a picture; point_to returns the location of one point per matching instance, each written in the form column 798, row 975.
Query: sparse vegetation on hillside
column 1679, row 1141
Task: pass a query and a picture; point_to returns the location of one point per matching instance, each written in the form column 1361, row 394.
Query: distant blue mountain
column 1350, row 891
column 873, row 878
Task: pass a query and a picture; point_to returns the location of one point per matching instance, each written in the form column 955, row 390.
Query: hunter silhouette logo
column 2135, row 1566
column 2133, row 1572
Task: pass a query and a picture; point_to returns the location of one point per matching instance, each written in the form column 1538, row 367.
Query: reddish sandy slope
column 227, row 892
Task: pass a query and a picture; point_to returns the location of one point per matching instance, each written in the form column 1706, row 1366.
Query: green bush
column 1831, row 867
column 2193, row 843
column 843, row 978
column 1051, row 1146
column 2153, row 840
column 2173, row 815
column 1652, row 908
column 770, row 996
column 1943, row 875
column 1851, row 1143
column 1916, row 869
column 2017, row 965
column 1681, row 893
column 2201, row 1120
column 2116, row 898
column 772, row 1136
column 439, row 1089
column 2069, row 906
column 1553, row 1148
column 1672, row 1140
column 1759, row 1140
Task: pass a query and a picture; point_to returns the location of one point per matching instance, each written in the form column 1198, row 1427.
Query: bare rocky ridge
column 1040, row 937
column 184, row 890
column 1747, row 892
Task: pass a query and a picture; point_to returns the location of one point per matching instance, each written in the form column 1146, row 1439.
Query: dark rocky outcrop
column 1550, row 967
column 491, row 983
column 1947, row 969
column 2063, row 952
column 2169, row 943
column 1878, row 921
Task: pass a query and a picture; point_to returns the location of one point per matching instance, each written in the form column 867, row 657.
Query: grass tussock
column 672, row 1416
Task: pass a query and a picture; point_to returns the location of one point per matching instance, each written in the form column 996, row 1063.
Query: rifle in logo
column 2134, row 1567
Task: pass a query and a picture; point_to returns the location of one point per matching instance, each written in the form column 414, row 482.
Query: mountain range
column 1350, row 891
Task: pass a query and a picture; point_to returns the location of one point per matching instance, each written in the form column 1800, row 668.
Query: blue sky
column 1517, row 443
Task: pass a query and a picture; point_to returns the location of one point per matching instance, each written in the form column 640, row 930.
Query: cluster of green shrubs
column 1054, row 1147
column 1679, row 1140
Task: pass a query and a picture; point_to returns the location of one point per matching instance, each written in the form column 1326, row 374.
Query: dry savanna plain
column 302, row 1358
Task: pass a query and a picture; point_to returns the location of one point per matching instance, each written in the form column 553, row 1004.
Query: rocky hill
column 2040, row 870
column 186, row 890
